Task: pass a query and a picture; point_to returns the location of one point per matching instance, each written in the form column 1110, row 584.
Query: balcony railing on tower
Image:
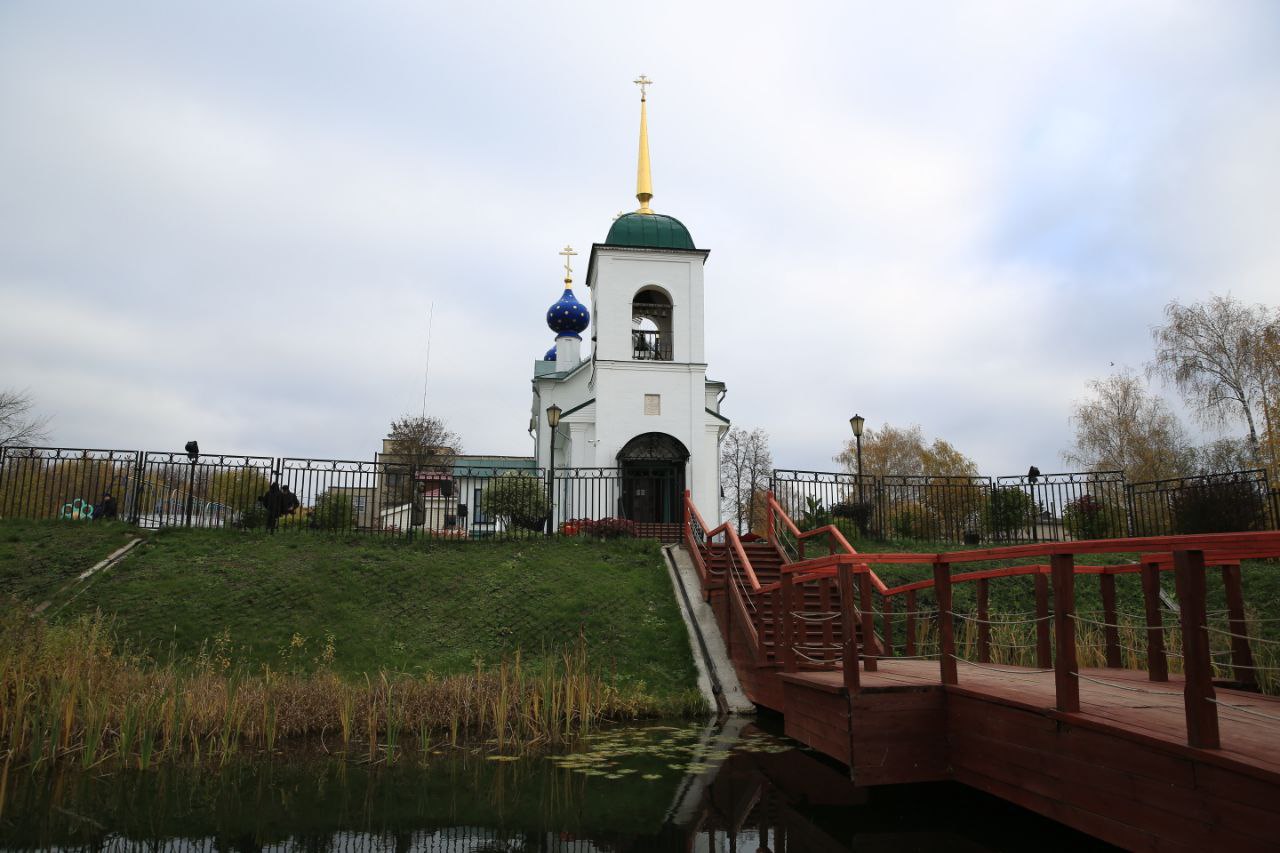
column 650, row 346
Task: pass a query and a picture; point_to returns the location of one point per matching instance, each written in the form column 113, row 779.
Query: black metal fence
column 449, row 500
column 1026, row 508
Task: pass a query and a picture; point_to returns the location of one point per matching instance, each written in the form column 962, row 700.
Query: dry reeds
column 72, row 692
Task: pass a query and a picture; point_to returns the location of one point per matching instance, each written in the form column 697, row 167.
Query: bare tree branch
column 18, row 426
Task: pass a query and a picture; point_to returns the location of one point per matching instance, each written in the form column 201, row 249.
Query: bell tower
column 641, row 406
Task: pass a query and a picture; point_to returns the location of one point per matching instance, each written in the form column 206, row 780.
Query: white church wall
column 624, row 273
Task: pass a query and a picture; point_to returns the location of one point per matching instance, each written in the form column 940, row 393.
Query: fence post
column 134, row 511
column 788, row 623
column 768, row 518
column 1131, row 509
column 984, row 628
column 946, row 629
column 869, row 647
column 1107, row 584
column 1241, row 655
column 1044, row 649
column 1197, row 693
column 1065, row 667
column 1157, row 662
column 848, row 629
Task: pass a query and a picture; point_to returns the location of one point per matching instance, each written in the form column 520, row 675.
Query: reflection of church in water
column 641, row 402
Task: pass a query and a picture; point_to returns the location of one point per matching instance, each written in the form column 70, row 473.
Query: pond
column 678, row 787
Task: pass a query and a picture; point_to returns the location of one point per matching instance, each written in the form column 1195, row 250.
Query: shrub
column 1086, row 517
column 1222, row 506
column 858, row 512
column 603, row 528
column 519, row 499
column 333, row 511
column 814, row 515
column 1009, row 512
column 909, row 520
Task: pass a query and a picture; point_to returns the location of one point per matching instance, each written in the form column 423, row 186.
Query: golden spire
column 568, row 254
column 644, row 179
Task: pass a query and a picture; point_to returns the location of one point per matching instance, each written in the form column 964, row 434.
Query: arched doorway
column 652, row 468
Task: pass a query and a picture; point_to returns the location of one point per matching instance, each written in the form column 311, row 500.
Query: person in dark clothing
column 106, row 508
column 291, row 501
column 274, row 502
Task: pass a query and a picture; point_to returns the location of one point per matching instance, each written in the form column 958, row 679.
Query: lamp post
column 553, row 421
column 193, row 453
column 857, row 422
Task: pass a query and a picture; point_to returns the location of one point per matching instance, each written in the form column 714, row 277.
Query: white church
column 640, row 402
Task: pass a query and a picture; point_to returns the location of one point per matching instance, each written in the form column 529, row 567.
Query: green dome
column 651, row 230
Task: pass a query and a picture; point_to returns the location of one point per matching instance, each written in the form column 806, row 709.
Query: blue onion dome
column 568, row 317
column 551, row 355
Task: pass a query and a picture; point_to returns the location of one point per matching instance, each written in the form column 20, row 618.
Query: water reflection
column 635, row 788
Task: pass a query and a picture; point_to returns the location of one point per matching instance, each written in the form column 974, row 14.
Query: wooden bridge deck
column 1119, row 769
column 1127, row 703
column 1146, row 759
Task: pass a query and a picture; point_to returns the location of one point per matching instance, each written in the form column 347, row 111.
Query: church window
column 653, row 404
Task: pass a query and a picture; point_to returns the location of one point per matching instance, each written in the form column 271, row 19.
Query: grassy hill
column 413, row 608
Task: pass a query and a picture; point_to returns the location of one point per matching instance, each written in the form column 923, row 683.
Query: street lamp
column 553, row 421
column 857, row 422
column 193, row 454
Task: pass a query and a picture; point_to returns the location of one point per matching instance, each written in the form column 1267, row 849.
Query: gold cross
column 643, row 82
column 568, row 253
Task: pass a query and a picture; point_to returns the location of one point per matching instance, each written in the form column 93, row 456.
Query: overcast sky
column 229, row 221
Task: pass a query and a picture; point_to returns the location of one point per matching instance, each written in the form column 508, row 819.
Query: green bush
column 1009, row 512
column 814, row 515
column 519, row 499
column 1086, row 517
column 333, row 511
column 859, row 513
column 1224, row 506
column 909, row 520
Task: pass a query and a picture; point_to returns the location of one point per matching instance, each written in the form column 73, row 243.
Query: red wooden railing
column 1055, row 571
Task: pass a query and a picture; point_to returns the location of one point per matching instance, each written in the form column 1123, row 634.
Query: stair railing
column 740, row 583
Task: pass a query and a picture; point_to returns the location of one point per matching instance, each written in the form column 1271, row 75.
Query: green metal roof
column 650, row 230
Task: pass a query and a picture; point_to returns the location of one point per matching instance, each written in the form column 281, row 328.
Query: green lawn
column 39, row 557
column 408, row 607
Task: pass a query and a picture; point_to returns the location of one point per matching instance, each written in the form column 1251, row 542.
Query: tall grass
column 73, row 692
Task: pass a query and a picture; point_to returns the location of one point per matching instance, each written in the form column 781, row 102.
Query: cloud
column 952, row 216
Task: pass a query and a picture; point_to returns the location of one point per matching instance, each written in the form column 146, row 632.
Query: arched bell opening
column 652, row 469
column 651, row 325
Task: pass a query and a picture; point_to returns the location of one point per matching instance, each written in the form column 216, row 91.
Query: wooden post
column 869, row 648
column 784, row 640
column 828, row 631
column 886, row 609
column 775, row 603
column 984, row 628
column 1241, row 654
column 946, row 629
column 1065, row 667
column 848, row 628
column 1197, row 691
column 1110, row 631
column 1044, row 649
column 1157, row 662
column 911, row 623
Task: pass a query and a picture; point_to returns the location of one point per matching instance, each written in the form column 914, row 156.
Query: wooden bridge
column 1161, row 740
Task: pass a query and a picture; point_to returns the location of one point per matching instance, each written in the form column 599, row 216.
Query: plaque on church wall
column 653, row 404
